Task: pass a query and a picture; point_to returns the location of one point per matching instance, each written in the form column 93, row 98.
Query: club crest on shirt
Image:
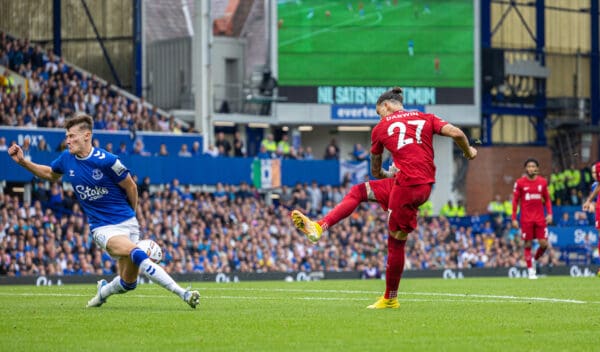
column 71, row 172
column 97, row 174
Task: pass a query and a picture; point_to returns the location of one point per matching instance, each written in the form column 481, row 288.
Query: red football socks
column 528, row 257
column 394, row 267
column 355, row 196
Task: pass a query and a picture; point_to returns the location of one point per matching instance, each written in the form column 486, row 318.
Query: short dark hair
column 84, row 120
column 392, row 94
column 531, row 160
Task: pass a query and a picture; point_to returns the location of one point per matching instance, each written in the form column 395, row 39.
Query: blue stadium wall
column 201, row 170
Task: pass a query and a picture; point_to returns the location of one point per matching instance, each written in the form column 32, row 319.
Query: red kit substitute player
column 531, row 192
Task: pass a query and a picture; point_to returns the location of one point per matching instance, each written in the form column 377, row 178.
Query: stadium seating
column 53, row 89
column 233, row 229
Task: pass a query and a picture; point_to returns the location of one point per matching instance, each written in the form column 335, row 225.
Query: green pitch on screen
column 366, row 43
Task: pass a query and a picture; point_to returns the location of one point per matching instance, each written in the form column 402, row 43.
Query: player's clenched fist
column 16, row 153
column 472, row 153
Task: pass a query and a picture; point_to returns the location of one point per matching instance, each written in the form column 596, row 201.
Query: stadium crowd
column 234, row 229
column 54, row 90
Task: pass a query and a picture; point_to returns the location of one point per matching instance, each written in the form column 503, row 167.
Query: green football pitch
column 492, row 314
column 336, row 43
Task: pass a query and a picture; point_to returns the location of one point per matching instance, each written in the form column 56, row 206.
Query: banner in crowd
column 266, row 173
column 353, row 171
column 572, row 235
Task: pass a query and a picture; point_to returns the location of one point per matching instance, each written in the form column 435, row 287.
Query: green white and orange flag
column 266, row 173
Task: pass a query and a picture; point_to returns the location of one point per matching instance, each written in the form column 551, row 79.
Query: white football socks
column 112, row 288
column 158, row 275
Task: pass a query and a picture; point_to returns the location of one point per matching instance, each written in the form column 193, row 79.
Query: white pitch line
column 466, row 295
column 9, row 294
column 332, row 27
column 460, row 297
column 290, row 13
column 463, row 295
column 288, row 290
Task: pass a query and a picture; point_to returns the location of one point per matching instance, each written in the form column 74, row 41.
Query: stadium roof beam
column 595, row 64
column 138, row 47
column 536, row 111
column 56, row 28
column 547, row 7
column 201, row 78
column 113, row 71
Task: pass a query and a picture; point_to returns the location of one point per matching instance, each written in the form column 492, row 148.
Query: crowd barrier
column 451, row 274
column 151, row 140
column 201, row 170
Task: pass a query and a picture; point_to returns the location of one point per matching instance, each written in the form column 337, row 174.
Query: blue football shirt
column 95, row 180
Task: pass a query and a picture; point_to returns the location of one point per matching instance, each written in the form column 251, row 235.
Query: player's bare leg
column 128, row 273
column 131, row 261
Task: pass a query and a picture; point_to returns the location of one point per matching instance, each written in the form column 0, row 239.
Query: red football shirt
column 408, row 136
column 532, row 195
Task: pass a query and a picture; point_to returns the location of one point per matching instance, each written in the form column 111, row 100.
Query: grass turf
column 492, row 314
column 347, row 48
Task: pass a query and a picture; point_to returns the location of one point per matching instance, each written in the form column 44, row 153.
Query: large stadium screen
column 347, row 52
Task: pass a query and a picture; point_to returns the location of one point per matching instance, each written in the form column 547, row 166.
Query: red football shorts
column 404, row 205
column 379, row 191
column 534, row 230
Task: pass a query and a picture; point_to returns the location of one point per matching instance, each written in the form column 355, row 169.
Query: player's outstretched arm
column 460, row 139
column 41, row 171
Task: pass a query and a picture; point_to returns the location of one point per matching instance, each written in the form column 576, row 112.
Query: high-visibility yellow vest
column 270, row 146
column 448, row 211
column 283, row 147
column 507, row 208
column 426, row 209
